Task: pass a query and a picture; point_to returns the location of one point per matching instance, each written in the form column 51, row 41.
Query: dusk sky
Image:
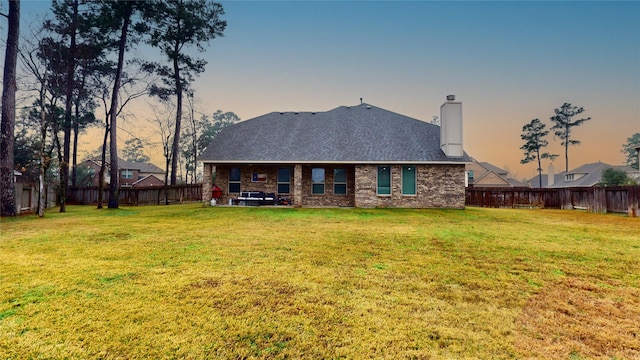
column 507, row 61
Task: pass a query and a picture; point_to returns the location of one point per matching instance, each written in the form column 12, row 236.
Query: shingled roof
column 586, row 175
column 347, row 134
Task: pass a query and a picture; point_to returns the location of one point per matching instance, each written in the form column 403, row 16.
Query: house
column 484, row 174
column 148, row 180
column 587, row 175
column 132, row 174
column 353, row 156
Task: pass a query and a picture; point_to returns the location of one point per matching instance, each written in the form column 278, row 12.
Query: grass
column 188, row 281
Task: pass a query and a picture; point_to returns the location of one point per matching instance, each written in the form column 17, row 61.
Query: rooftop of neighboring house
column 495, row 169
column 487, row 174
column 586, row 175
column 143, row 167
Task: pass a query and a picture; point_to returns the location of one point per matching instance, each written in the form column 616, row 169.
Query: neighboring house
column 132, row 174
column 354, row 156
column 587, row 175
column 484, row 174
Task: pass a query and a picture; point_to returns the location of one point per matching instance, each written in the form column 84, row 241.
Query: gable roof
column 495, row 169
column 586, row 175
column 347, row 134
column 147, row 178
column 493, row 176
column 145, row 167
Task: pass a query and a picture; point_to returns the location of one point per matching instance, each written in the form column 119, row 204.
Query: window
column 127, row 174
column 384, row 180
column 317, row 181
column 340, row 181
column 234, row 180
column 569, row 177
column 284, row 180
column 408, row 180
column 470, row 172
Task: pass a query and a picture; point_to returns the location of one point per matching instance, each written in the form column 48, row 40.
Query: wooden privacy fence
column 619, row 199
column 151, row 195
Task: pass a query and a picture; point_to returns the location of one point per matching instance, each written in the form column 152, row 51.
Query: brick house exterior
column 148, row 180
column 351, row 156
column 130, row 173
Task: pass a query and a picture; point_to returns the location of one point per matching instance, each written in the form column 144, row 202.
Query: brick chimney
column 451, row 127
column 551, row 176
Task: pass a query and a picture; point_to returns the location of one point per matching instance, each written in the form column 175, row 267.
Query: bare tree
column 128, row 92
column 38, row 67
column 164, row 124
column 190, row 151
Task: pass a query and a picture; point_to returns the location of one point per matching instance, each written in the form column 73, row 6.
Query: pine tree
column 534, row 136
column 563, row 126
column 177, row 24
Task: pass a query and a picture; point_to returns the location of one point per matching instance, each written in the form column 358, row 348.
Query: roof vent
column 368, row 106
column 451, row 98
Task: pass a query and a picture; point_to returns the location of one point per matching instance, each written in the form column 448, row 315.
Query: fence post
column 599, row 200
column 633, row 199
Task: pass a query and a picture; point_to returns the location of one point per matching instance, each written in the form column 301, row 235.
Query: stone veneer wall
column 246, row 172
column 437, row 186
column 328, row 198
column 207, row 182
column 271, row 185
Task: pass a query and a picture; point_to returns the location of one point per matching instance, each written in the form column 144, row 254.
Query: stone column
column 297, row 185
column 207, row 183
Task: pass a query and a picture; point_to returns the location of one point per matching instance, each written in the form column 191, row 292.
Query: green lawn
column 186, row 281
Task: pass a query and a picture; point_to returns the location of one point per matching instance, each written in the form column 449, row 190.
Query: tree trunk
column 167, row 157
column 566, row 154
column 103, row 164
column 76, row 130
column 194, row 143
column 74, row 152
column 113, row 112
column 8, row 117
column 176, row 136
column 68, row 107
column 539, row 167
column 43, row 158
